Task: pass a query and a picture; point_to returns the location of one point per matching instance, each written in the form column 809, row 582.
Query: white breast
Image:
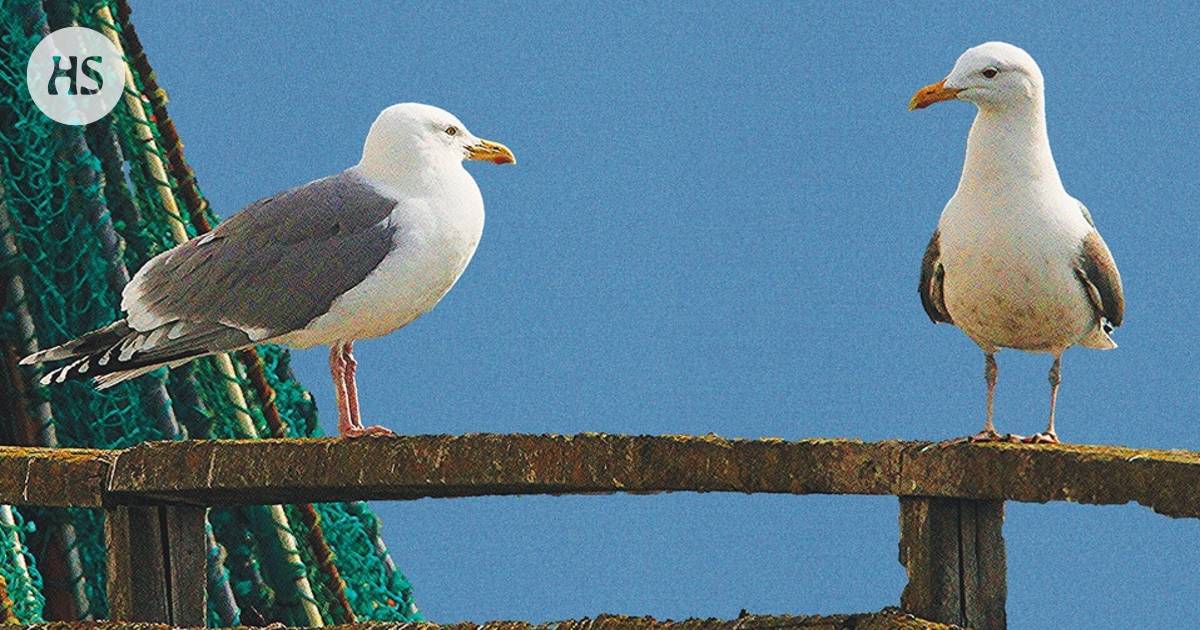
column 1010, row 272
column 435, row 238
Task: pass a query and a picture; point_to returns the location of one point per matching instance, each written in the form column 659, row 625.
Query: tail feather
column 95, row 341
column 1099, row 338
column 117, row 353
column 105, row 381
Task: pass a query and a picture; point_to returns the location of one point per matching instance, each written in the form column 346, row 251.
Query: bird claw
column 979, row 438
column 1045, row 437
column 357, row 432
column 992, row 436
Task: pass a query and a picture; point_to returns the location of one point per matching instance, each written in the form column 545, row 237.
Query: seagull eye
column 452, row 130
column 990, row 73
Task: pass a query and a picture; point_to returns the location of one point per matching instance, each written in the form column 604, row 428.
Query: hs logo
column 71, row 71
column 75, row 75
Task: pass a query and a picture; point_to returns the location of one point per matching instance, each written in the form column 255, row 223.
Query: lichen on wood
column 54, row 477
column 226, row 472
column 888, row 619
column 409, row 467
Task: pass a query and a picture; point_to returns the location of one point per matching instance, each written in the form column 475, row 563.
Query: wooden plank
column 409, row 467
column 136, row 565
column 156, row 564
column 187, row 558
column 53, row 477
column 888, row 619
column 1166, row 481
column 294, row 471
column 953, row 551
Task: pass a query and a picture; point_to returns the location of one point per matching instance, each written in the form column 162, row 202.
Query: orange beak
column 492, row 152
column 931, row 94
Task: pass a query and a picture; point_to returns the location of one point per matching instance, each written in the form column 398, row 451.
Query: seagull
column 1015, row 262
column 351, row 256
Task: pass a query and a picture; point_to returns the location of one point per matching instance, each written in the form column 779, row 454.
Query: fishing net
column 81, row 209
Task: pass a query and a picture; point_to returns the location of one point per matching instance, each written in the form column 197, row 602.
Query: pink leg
column 350, row 386
column 989, row 434
column 1049, row 436
column 337, row 371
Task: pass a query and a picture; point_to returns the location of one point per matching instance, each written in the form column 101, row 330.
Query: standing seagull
column 346, row 257
column 1015, row 262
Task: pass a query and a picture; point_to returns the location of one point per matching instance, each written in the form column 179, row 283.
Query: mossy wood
column 951, row 496
column 408, row 467
column 220, row 472
column 889, row 619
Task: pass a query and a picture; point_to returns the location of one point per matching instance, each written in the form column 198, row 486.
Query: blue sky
column 716, row 224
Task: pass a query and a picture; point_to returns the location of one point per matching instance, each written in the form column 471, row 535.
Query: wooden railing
column 951, row 496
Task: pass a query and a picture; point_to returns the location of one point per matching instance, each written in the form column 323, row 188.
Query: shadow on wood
column 953, row 551
column 156, row 564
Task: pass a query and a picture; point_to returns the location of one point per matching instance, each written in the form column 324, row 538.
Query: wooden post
column 135, row 565
column 953, row 551
column 156, row 564
column 187, row 558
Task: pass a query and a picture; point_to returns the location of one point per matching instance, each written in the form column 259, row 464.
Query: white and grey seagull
column 1015, row 262
column 346, row 257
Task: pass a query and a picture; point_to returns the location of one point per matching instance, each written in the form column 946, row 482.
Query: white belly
column 430, row 255
column 1010, row 279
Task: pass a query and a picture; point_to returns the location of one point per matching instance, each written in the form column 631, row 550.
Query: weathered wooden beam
column 136, row 567
column 404, row 467
column 409, row 467
column 889, row 619
column 156, row 564
column 1166, row 481
column 187, row 564
column 953, row 551
column 264, row 471
column 53, row 477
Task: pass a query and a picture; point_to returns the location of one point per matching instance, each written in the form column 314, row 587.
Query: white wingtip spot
column 74, row 364
column 130, row 346
column 155, row 337
column 177, row 330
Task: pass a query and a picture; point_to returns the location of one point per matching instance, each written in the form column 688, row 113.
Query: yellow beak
column 491, row 151
column 931, row 94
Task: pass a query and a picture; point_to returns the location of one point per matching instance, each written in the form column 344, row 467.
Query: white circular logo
column 75, row 75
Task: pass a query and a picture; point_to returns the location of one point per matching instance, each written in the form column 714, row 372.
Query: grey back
column 277, row 264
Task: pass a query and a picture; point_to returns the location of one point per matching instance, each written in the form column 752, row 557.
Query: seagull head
column 412, row 132
column 994, row 76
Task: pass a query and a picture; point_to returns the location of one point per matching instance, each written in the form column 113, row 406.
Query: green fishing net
column 81, row 209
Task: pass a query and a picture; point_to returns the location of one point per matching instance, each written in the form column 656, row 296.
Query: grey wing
column 267, row 271
column 1097, row 271
column 933, row 281
column 273, row 267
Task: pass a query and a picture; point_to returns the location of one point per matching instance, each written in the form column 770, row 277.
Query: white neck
column 407, row 170
column 1009, row 149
